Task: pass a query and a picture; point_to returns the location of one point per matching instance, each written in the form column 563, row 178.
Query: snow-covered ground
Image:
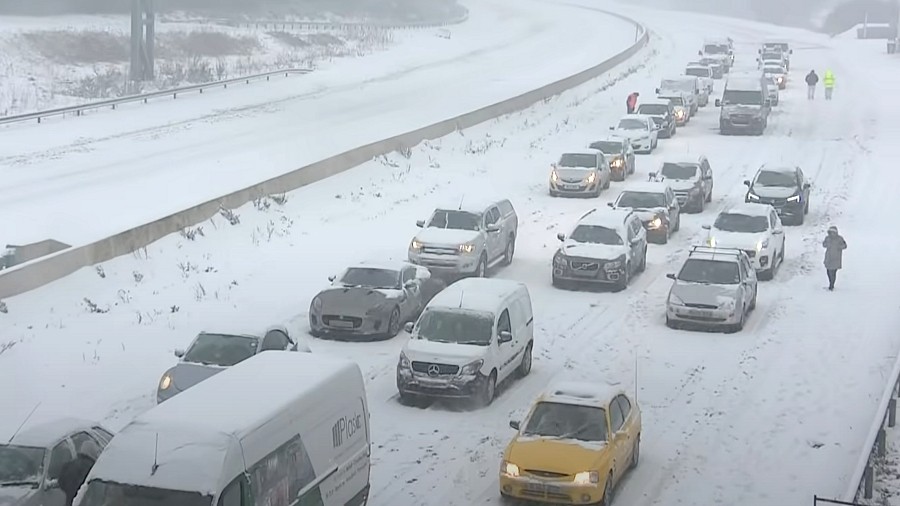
column 151, row 161
column 769, row 416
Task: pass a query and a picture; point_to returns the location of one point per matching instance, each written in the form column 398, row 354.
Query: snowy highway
column 151, row 161
column 768, row 416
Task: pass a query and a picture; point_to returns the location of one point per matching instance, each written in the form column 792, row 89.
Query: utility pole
column 143, row 40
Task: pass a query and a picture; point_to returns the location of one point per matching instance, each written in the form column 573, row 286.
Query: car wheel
column 510, row 250
column 801, row 219
column 607, row 183
column 622, row 284
column 394, row 323
column 636, row 453
column 643, row 266
column 806, row 208
column 753, row 300
column 488, row 390
column 677, row 223
column 739, row 326
column 607, row 492
column 766, row 275
column 316, row 333
column 701, row 204
column 481, row 269
column 525, row 365
column 709, row 197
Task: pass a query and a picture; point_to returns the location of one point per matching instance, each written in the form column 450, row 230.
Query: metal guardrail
column 280, row 24
column 820, row 500
column 862, row 481
column 113, row 103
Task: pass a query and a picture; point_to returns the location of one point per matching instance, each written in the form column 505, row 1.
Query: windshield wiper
column 474, row 343
column 18, row 483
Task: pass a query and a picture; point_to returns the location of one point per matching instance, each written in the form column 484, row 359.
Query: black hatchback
column 784, row 188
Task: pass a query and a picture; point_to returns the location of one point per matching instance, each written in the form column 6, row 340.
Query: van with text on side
column 277, row 428
column 745, row 105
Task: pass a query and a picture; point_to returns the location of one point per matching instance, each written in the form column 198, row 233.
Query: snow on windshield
column 584, row 160
column 595, row 234
column 697, row 72
column 773, row 178
column 456, row 326
column 653, row 109
column 641, row 200
column 742, row 223
column 677, row 84
column 608, row 147
column 679, row 171
column 713, row 272
column 715, row 49
column 741, row 97
column 455, row 220
column 20, row 465
column 567, row 421
column 371, row 278
column 221, row 350
column 632, row 124
column 773, row 70
column 101, row 493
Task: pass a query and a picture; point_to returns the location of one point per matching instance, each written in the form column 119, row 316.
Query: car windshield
column 679, row 171
column 677, row 84
column 567, row 421
column 371, row 278
column 715, row 49
column 455, row 220
column 101, row 493
column 716, row 272
column 676, row 100
column 660, row 109
column 771, row 56
column 774, row 178
column 632, row 124
column 641, row 200
column 584, row 160
column 742, row 97
column 773, row 70
column 608, row 147
column 743, row 223
column 595, row 234
column 221, row 349
column 21, row 465
column 697, row 72
column 456, row 326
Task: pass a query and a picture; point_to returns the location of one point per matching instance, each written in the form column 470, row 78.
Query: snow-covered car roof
column 596, row 395
column 744, row 83
column 781, row 169
column 475, row 205
column 608, row 218
column 477, row 294
column 653, row 102
column 45, row 434
column 387, row 265
column 716, row 254
column 619, row 139
column 647, row 187
column 581, row 151
column 749, row 209
column 682, row 161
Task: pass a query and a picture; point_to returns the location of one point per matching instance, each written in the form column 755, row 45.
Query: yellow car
column 576, row 443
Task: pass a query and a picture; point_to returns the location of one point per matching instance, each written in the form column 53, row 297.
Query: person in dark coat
column 834, row 246
column 74, row 472
column 631, row 102
column 812, row 79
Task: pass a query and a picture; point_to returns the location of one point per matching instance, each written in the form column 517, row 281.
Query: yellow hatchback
column 576, row 443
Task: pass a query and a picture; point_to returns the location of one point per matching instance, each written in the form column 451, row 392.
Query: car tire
column 800, row 219
column 636, row 453
column 701, row 205
column 394, row 324
column 608, row 182
column 753, row 300
column 316, row 333
column 806, row 208
column 607, row 492
column 643, row 266
column 481, row 268
column 739, row 326
column 709, row 197
column 408, row 399
column 510, row 250
column 488, row 390
column 766, row 275
column 677, row 224
column 526, row 363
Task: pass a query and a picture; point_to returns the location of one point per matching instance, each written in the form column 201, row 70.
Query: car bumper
column 704, row 318
column 681, row 121
column 590, row 275
column 641, row 144
column 444, row 386
column 574, row 189
column 549, row 491
column 750, row 125
column 784, row 209
column 761, row 260
column 343, row 325
column 446, row 264
column 164, row 395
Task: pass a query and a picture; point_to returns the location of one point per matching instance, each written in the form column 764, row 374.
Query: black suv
column 663, row 114
column 784, row 188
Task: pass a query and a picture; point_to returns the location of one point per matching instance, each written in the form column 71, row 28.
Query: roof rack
column 716, row 251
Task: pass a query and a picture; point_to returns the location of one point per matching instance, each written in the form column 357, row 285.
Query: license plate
column 536, row 487
column 702, row 313
column 572, row 186
column 341, row 323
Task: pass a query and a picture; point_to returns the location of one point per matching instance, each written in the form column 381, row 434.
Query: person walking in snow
column 631, row 102
column 828, row 81
column 812, row 79
column 834, row 246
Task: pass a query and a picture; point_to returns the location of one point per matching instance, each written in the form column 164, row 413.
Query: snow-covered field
column 149, row 162
column 769, row 416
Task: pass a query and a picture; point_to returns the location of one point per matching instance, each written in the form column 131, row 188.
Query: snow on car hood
column 631, row 134
column 595, row 251
column 423, row 350
column 696, row 293
column 446, row 236
column 16, row 496
column 572, row 173
column 742, row 109
column 649, row 214
column 187, row 374
column 681, row 184
column 737, row 240
column 774, row 192
column 354, row 301
column 565, row 456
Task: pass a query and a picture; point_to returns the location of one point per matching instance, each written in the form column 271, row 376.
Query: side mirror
column 332, row 278
column 514, row 424
column 179, row 353
column 652, row 175
column 670, row 276
column 420, row 223
column 700, row 53
column 657, row 91
column 718, row 103
column 561, row 236
column 612, row 205
column 505, row 336
column 706, row 227
column 612, row 128
column 778, row 231
column 411, row 283
column 790, row 51
column 493, row 227
column 758, row 51
column 408, row 327
column 636, row 240
column 747, row 182
column 806, row 186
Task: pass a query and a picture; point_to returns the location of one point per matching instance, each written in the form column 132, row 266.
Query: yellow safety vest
column 829, row 80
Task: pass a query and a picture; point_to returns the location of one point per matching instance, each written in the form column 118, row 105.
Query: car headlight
column 655, row 223
column 471, row 369
column 587, row 478
column 728, row 305
column 466, row 248
column 380, row 308
column 761, row 245
column 165, row 382
column 560, row 259
column 509, row 469
column 591, row 178
column 675, row 300
column 404, row 361
column 617, row 163
column 317, row 303
column 752, row 196
column 795, row 198
column 711, row 241
column 554, row 176
column 679, row 113
column 615, row 264
column 415, row 245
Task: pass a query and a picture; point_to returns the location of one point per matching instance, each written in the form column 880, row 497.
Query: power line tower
column 143, row 39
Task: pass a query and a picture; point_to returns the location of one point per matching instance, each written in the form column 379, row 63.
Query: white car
column 682, row 108
column 641, row 130
column 774, row 95
column 777, row 73
column 583, row 172
column 754, row 228
column 704, row 74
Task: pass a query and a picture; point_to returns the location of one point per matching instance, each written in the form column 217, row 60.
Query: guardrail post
column 868, row 482
column 881, row 442
column 892, row 412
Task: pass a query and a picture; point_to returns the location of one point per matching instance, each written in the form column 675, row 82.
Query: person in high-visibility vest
column 828, row 81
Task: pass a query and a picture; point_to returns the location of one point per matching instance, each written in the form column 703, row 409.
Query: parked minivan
column 690, row 86
column 472, row 336
column 277, row 423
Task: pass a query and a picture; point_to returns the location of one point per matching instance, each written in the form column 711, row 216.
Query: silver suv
column 692, row 181
column 716, row 288
column 466, row 240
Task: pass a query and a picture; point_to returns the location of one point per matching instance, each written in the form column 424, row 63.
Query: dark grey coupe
column 372, row 300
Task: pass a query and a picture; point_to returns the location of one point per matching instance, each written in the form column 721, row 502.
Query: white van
column 277, row 428
column 471, row 337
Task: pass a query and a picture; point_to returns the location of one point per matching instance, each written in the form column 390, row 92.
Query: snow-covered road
column 150, row 161
column 765, row 417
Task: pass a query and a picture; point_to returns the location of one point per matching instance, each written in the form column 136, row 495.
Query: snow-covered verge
column 149, row 161
column 766, row 417
column 67, row 60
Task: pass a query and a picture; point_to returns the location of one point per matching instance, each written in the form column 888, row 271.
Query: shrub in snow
column 280, row 199
column 230, row 215
column 3, row 308
column 138, row 277
column 94, row 308
column 262, row 204
column 192, row 233
column 100, row 271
